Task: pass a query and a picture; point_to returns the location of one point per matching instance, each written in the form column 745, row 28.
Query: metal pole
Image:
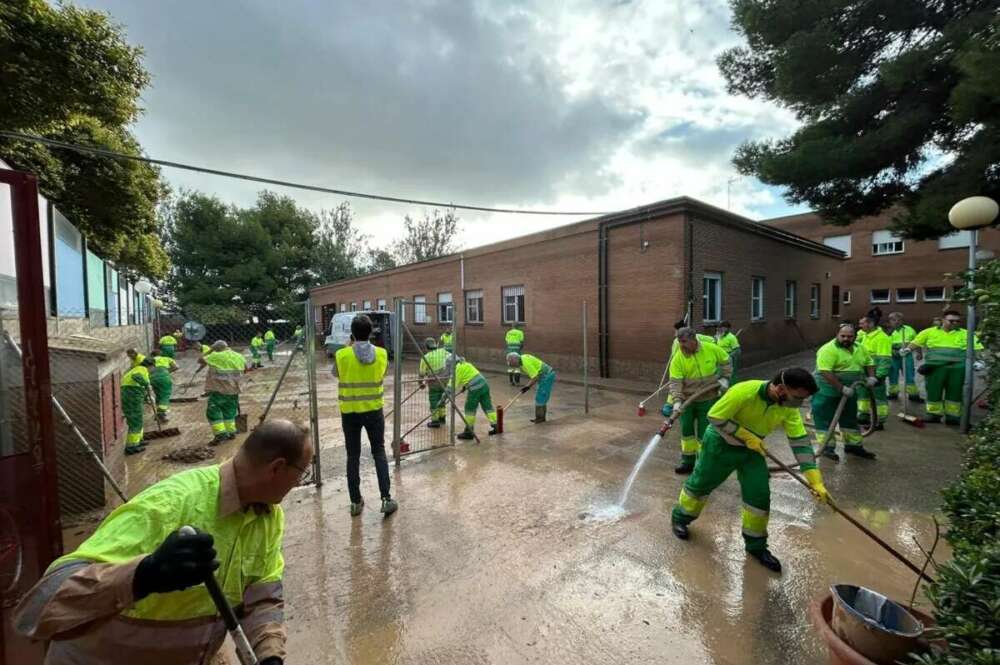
column 970, row 338
column 309, row 348
column 451, row 412
column 586, row 364
column 397, row 377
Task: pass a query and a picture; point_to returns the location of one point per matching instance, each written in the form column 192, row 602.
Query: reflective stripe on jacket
column 225, row 369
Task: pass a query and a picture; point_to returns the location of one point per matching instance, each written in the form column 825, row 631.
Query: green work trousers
column 734, row 358
column 269, row 345
column 163, row 387
column 824, row 406
column 479, row 397
column 434, row 395
column 944, row 392
column 512, row 348
column 865, row 396
column 133, row 400
column 221, row 411
column 902, row 365
column 694, row 422
column 255, row 355
column 716, row 462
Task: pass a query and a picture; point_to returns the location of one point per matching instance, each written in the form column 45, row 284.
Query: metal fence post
column 586, row 364
column 452, row 382
column 397, row 377
column 310, row 350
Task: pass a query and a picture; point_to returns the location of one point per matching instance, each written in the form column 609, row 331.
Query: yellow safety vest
column 514, row 337
column 168, row 340
column 269, row 336
column 433, row 362
column 533, row 366
column 359, row 387
column 137, row 377
column 162, row 367
column 224, row 371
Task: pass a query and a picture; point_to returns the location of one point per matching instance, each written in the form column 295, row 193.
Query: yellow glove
column 752, row 441
column 816, row 483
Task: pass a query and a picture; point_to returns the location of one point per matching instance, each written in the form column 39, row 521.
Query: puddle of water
column 603, row 514
column 650, row 447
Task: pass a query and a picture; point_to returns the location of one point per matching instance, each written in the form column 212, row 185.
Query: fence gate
column 415, row 321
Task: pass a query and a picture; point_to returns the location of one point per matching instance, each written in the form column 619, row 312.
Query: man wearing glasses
column 133, row 592
column 944, row 367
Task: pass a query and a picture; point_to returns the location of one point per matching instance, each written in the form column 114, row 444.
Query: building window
column 791, row 297
column 835, row 300
column 843, row 243
column 420, row 309
column 814, row 295
column 711, row 298
column 879, row 296
column 445, row 308
column 368, row 305
column 955, row 240
column 343, row 307
column 513, row 304
column 381, row 304
column 906, row 295
column 847, row 297
column 756, row 298
column 885, row 243
column 933, row 294
column 474, row 306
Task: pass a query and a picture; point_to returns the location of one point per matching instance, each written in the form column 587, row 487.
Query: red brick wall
column 921, row 264
column 741, row 256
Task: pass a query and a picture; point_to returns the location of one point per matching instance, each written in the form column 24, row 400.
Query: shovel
column 160, row 433
column 182, row 397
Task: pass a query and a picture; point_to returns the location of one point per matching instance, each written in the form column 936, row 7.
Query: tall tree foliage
column 69, row 74
column 899, row 100
column 343, row 251
column 428, row 238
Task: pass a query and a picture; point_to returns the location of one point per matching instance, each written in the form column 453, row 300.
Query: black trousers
column 373, row 422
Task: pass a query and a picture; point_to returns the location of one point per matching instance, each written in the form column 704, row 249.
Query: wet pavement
column 510, row 552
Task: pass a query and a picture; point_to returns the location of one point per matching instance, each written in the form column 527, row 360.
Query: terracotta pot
column 841, row 653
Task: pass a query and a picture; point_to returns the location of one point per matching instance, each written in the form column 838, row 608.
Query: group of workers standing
column 857, row 373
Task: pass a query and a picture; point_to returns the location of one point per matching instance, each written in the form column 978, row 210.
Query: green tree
column 899, row 102
column 69, row 74
column 428, row 238
column 340, row 248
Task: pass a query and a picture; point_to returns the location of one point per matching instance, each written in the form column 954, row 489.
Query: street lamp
column 142, row 287
column 969, row 215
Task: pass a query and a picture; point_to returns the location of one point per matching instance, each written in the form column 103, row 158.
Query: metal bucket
column 873, row 625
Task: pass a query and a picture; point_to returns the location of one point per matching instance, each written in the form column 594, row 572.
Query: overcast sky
column 541, row 104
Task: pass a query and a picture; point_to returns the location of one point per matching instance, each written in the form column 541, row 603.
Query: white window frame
column 446, row 308
column 791, row 298
column 420, row 310
column 886, row 243
column 343, row 307
column 955, row 240
column 815, row 297
column 381, row 304
column 845, row 297
column 474, row 299
column 900, row 298
column 354, row 306
column 944, row 294
column 839, row 242
column 367, row 305
column 757, row 311
column 509, row 298
column 711, row 287
column 879, row 301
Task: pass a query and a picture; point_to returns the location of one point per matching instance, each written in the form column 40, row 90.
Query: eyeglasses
column 302, row 471
column 953, row 320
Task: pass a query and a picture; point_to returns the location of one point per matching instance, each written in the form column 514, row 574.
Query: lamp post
column 143, row 288
column 970, row 215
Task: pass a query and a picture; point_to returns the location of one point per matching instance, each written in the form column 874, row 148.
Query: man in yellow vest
column 222, row 385
column 256, row 344
column 168, row 345
column 162, row 383
column 270, row 341
column 133, row 592
column 360, row 370
column 901, row 335
column 135, row 358
column 541, row 374
column 514, row 340
column 432, row 365
column 468, row 378
column 879, row 346
column 730, row 343
column 134, row 394
column 840, row 364
column 697, row 365
column 734, row 441
column 944, row 366
column 446, row 341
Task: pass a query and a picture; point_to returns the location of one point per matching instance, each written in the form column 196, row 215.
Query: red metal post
column 32, row 309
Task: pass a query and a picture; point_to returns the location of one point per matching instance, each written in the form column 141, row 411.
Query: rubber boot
column 680, row 530
column 510, row 378
column 830, row 452
column 465, row 436
column 684, row 468
column 132, row 450
column 539, row 414
column 767, row 559
column 517, row 378
column 859, row 451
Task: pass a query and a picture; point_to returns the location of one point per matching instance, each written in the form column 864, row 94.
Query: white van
column 340, row 330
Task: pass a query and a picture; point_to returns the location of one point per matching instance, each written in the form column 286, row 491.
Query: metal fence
column 418, row 399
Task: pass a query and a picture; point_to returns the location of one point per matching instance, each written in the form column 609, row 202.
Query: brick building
column 637, row 270
column 886, row 271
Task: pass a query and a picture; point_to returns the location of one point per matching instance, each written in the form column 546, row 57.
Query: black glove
column 525, row 389
column 271, row 660
column 925, row 370
column 178, row 563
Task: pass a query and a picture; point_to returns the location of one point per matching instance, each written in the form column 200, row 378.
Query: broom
column 504, row 408
column 914, row 421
